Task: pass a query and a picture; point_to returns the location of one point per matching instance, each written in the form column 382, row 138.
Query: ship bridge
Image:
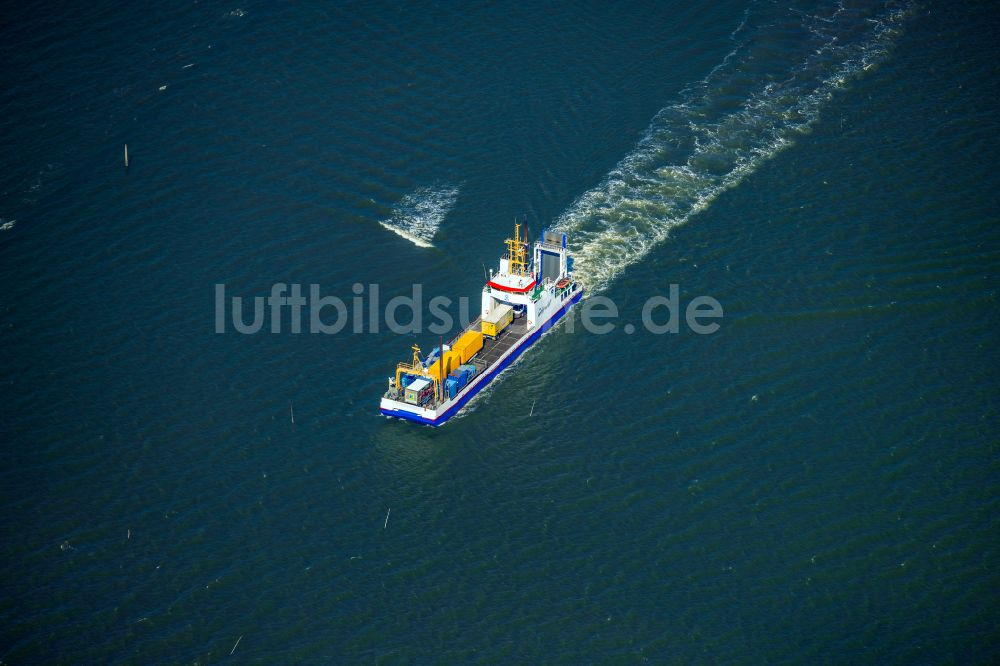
column 520, row 285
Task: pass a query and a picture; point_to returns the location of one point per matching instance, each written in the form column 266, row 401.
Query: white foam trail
column 419, row 214
column 723, row 128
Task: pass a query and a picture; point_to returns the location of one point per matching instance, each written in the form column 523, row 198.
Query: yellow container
column 467, row 345
column 451, row 359
column 496, row 321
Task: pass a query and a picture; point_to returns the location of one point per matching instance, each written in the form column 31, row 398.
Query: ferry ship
column 520, row 302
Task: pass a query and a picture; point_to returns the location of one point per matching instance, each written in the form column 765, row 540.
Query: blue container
column 451, row 387
column 470, row 370
column 461, row 377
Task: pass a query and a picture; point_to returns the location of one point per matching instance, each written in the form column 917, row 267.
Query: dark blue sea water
column 817, row 481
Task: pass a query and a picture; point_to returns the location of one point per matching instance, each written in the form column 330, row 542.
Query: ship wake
column 785, row 66
column 418, row 215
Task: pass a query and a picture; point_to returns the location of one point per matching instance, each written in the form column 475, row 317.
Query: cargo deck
column 494, row 349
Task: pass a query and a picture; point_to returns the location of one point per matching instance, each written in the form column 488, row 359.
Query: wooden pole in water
column 126, row 155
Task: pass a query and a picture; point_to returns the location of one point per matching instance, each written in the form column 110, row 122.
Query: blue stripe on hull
column 409, row 416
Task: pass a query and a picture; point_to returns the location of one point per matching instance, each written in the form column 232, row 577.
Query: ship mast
column 517, row 250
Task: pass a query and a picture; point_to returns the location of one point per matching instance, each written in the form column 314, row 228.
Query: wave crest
column 418, row 215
